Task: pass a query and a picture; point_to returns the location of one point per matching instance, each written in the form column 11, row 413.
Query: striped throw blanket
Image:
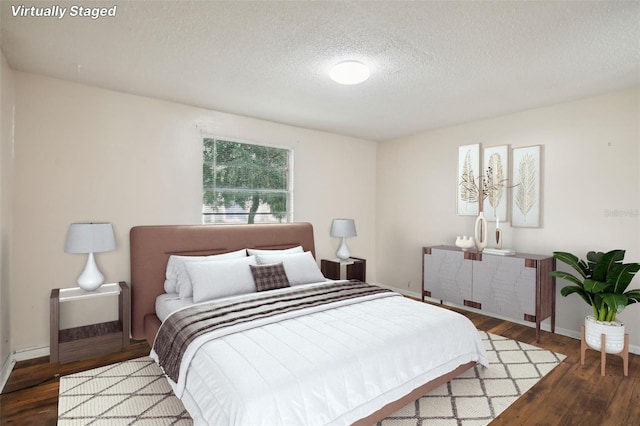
column 183, row 326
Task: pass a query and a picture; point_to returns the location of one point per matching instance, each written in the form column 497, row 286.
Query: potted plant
column 602, row 283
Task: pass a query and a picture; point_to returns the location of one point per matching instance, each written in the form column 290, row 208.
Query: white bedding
column 169, row 302
column 329, row 367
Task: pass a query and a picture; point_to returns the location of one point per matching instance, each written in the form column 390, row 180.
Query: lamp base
column 343, row 252
column 91, row 279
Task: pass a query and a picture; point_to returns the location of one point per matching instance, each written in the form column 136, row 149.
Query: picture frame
column 495, row 182
column 467, row 195
column 526, row 190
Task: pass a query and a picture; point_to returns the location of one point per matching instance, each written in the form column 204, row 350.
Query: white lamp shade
column 90, row 238
column 343, row 228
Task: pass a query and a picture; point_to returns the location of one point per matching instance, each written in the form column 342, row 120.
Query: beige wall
column 83, row 153
column 590, row 169
column 87, row 154
column 7, row 104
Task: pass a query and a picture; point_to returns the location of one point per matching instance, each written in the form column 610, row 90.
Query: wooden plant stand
column 603, row 352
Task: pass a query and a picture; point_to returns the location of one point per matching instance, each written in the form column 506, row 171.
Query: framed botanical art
column 495, row 166
column 468, row 174
column 526, row 196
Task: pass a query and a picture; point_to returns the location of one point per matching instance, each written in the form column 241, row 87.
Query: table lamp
column 90, row 238
column 343, row 228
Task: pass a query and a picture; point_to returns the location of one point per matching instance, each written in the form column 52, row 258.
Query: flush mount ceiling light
column 349, row 72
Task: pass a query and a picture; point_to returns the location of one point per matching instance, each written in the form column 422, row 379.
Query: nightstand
column 353, row 269
column 76, row 343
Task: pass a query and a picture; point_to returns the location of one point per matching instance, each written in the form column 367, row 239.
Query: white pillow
column 221, row 278
column 301, row 268
column 296, row 249
column 177, row 279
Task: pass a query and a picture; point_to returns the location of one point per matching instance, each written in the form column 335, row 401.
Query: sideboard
column 517, row 286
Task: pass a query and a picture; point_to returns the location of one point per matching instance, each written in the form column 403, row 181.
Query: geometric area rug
column 136, row 393
column 480, row 394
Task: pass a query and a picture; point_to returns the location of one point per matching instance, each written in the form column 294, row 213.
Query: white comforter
column 328, row 367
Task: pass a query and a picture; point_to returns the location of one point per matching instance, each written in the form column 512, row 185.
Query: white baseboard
column 5, row 371
column 400, row 290
column 17, row 356
column 31, row 353
column 545, row 325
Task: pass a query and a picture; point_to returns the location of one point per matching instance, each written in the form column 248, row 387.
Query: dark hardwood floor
column 38, row 405
column 570, row 395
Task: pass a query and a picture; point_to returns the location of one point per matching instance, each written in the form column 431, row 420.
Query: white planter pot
column 614, row 332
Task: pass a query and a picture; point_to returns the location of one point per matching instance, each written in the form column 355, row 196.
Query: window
column 245, row 182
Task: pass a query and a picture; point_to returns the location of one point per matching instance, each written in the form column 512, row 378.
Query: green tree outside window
column 244, row 182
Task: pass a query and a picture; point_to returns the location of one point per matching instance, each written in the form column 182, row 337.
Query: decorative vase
column 481, row 232
column 464, row 242
column 613, row 330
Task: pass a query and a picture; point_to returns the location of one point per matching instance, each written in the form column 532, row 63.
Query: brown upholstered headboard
column 151, row 247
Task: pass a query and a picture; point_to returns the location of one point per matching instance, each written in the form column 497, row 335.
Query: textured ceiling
column 432, row 63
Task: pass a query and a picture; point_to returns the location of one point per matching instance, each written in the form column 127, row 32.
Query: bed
column 353, row 360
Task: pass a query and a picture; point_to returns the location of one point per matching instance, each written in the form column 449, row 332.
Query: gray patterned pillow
column 269, row 277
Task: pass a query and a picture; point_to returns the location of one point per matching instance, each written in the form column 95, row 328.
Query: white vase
column 613, row 330
column 464, row 242
column 481, row 232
